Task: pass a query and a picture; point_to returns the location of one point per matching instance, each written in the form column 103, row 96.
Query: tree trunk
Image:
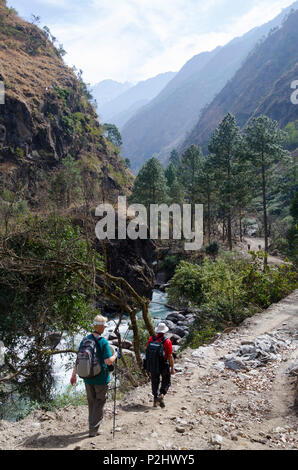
column 208, row 218
column 229, row 210
column 265, row 211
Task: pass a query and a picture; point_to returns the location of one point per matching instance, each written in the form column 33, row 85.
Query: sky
column 132, row 40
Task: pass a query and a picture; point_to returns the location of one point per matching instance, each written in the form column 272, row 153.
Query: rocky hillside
column 163, row 124
column 261, row 85
column 47, row 114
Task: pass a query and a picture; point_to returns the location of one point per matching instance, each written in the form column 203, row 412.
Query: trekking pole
column 115, row 394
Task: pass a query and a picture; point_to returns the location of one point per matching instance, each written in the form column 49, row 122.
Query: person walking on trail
column 160, row 363
column 92, row 363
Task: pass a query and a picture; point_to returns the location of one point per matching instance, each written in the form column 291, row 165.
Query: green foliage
column 68, row 124
column 229, row 289
column 169, row 264
column 226, row 148
column 292, row 235
column 264, row 140
column 190, row 167
column 12, row 208
column 186, row 286
column 174, row 158
column 63, row 93
column 212, row 249
column 70, row 397
column 150, row 185
column 291, row 130
column 266, row 287
column 66, row 182
column 112, row 134
column 35, row 300
column 127, row 162
column 202, row 332
column 143, row 335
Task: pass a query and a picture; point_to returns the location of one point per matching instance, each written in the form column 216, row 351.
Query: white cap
column 162, row 328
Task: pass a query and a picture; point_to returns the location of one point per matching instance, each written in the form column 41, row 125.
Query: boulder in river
column 175, row 317
column 171, row 325
column 175, row 339
column 180, row 331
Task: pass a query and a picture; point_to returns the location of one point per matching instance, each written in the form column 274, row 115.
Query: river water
column 63, row 364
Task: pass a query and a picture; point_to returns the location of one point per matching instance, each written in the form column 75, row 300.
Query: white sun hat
column 162, row 328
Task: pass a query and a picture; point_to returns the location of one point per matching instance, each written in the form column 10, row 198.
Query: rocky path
column 234, row 394
column 255, row 244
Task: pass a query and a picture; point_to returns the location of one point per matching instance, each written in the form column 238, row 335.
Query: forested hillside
column 261, row 86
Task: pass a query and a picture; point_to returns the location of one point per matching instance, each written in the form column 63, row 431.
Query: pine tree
column 174, row 158
column 207, row 191
column 171, row 174
column 150, row 185
column 264, row 139
column 224, row 147
column 189, row 171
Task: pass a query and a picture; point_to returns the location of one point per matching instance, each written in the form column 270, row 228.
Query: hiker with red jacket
column 160, row 363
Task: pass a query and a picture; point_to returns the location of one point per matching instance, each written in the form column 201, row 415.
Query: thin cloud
column 135, row 39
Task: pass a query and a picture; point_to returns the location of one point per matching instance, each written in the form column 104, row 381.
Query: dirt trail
column 248, row 409
column 255, row 243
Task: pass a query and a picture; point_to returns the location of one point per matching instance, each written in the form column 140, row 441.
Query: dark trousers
column 165, row 376
column 96, row 396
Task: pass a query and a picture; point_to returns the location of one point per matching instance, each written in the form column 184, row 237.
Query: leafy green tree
column 112, row 134
column 171, row 174
column 293, row 232
column 66, row 182
column 176, row 192
column 150, row 186
column 224, row 148
column 128, row 162
column 264, row 139
column 12, row 206
column 174, row 158
column 292, row 135
column 189, row 171
column 207, row 191
column 36, row 300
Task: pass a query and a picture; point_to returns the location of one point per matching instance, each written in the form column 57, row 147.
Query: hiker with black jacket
column 97, row 384
column 160, row 363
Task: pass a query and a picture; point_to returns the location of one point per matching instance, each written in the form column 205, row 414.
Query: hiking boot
column 95, row 433
column 161, row 401
column 155, row 402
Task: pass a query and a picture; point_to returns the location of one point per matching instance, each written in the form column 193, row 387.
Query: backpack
column 88, row 365
column 155, row 356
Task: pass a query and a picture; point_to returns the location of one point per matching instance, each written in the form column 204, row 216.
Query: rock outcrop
column 47, row 113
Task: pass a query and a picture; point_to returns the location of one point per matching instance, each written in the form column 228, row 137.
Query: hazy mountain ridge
column 164, row 123
column 107, row 90
column 261, row 85
column 132, row 99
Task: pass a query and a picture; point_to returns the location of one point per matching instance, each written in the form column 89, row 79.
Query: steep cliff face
column 47, row 115
column 261, row 86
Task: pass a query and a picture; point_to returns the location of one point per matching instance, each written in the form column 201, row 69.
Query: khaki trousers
column 96, row 396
